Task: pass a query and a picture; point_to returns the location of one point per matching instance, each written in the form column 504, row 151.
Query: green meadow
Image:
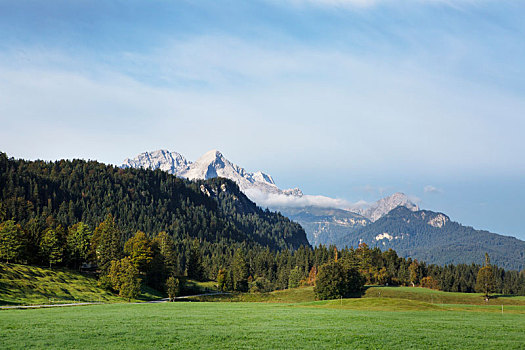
column 354, row 323
column 384, row 317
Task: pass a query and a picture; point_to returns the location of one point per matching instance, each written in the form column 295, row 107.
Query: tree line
column 163, row 263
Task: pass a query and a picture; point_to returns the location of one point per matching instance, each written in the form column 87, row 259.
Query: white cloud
column 432, row 189
column 265, row 199
column 298, row 107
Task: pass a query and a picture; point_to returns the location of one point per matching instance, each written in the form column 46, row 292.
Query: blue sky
column 353, row 99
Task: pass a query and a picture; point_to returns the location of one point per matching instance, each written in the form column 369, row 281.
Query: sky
column 352, row 99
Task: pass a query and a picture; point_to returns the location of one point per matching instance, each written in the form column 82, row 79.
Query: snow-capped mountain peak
column 209, row 165
column 171, row 162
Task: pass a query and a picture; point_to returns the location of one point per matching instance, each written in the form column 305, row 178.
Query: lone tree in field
column 335, row 280
column 172, row 287
column 486, row 279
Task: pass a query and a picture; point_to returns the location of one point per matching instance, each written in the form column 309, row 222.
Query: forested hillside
column 151, row 201
column 432, row 237
column 135, row 226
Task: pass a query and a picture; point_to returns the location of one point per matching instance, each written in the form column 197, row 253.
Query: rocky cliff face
column 383, row 206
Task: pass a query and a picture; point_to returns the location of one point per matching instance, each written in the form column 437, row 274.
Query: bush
column 335, row 281
column 429, row 282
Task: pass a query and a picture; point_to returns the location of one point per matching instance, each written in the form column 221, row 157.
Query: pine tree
column 241, row 272
column 194, row 268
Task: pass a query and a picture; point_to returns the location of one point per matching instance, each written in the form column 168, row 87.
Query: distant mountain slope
column 432, row 237
column 152, row 201
column 325, row 225
column 329, row 225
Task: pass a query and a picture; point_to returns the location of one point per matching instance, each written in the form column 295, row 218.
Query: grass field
column 315, row 325
column 426, row 296
column 30, row 285
column 385, row 317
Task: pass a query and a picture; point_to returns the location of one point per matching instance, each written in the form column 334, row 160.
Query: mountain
column 329, row 225
column 432, row 237
column 323, row 218
column 383, row 206
column 325, row 225
column 214, row 210
column 170, row 162
column 210, row 165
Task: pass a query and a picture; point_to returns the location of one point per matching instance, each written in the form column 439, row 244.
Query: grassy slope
column 426, row 296
column 439, row 297
column 30, row 285
column 256, row 325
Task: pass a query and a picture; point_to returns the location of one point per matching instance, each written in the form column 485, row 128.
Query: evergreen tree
column 240, row 271
column 194, row 268
column 166, row 247
column 296, row 275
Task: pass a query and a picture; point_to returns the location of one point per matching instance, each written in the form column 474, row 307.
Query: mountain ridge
column 209, row 165
column 432, row 237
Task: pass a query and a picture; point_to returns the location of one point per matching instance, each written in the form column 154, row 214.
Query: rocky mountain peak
column 385, row 205
column 210, row 165
column 171, row 162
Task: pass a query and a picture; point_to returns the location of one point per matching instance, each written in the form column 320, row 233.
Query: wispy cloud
column 432, row 189
column 371, row 3
column 336, row 3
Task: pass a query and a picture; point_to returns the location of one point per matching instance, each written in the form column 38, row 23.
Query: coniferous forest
column 135, row 226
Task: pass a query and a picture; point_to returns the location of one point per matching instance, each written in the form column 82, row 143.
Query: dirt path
column 164, row 300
